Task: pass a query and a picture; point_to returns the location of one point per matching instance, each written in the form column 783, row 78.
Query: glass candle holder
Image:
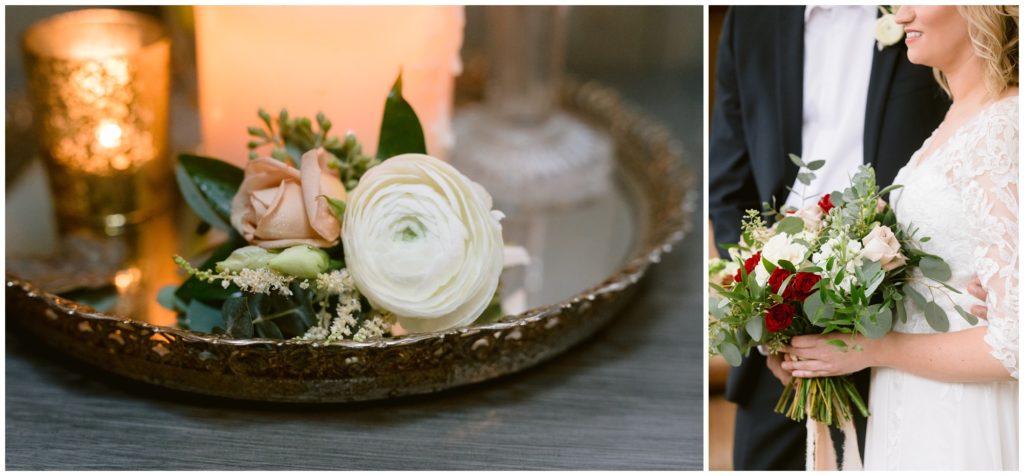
column 100, row 82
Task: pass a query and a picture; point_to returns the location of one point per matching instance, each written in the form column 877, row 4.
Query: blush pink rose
column 881, row 245
column 278, row 206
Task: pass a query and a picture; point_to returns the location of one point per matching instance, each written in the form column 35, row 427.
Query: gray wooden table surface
column 629, row 398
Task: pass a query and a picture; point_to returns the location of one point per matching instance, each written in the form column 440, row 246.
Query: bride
column 949, row 400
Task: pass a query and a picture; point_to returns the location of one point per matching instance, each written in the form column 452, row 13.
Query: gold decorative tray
column 596, row 257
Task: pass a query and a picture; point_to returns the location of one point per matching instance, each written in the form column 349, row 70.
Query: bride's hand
column 815, row 357
column 977, row 291
column 775, row 365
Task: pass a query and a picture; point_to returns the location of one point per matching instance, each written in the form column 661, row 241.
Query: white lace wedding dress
column 964, row 196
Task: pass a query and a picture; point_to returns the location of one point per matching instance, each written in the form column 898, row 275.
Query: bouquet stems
column 829, row 400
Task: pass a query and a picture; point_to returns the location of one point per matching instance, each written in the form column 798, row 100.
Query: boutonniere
column 887, row 31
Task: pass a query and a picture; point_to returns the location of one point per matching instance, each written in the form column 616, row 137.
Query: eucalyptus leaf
column 208, row 186
column 970, row 318
column 936, row 317
column 791, row 225
column 755, row 328
column 237, row 317
column 914, row 295
column 816, row 310
column 400, row 129
column 166, row 298
column 204, row 318
column 868, row 324
column 901, row 311
column 935, row 268
column 816, row 164
column 805, row 177
column 731, row 353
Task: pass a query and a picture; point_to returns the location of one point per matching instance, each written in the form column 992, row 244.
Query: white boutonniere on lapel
column 887, row 31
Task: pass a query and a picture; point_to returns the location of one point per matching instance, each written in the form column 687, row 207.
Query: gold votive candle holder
column 99, row 80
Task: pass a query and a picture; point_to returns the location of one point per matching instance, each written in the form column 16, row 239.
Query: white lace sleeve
column 989, row 183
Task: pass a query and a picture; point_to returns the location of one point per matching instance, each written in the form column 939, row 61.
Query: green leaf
column 208, row 185
column 815, row 165
column 788, row 266
column 337, row 206
column 901, row 310
column 400, row 130
column 816, row 310
column 796, row 160
column 805, row 177
column 914, row 295
column 166, row 298
column 731, row 353
column 791, row 225
column 837, row 198
column 204, row 318
column 237, row 316
column 936, row 317
column 935, row 268
column 755, row 327
column 837, row 343
column 889, row 189
column 970, row 318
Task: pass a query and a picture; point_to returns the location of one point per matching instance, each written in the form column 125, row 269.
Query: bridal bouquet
column 327, row 243
column 843, row 264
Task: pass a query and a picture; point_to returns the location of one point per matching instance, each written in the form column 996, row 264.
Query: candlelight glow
column 339, row 60
column 108, row 135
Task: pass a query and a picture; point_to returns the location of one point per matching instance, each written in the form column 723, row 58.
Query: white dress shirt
column 839, row 44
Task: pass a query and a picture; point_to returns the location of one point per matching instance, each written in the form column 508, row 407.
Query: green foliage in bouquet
column 208, row 303
column 808, row 274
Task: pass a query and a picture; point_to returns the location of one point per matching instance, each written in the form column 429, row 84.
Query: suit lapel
column 790, row 97
column 882, row 67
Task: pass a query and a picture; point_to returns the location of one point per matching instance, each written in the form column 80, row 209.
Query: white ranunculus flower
column 422, row 243
column 780, row 247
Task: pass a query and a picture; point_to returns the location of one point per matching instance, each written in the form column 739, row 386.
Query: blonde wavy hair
column 994, row 34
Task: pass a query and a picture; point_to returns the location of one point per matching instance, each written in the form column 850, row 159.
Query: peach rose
column 881, row 245
column 278, row 206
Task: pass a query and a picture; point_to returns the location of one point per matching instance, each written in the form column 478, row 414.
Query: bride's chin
column 916, row 58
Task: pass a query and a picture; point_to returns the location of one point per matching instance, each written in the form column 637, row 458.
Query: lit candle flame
column 108, row 135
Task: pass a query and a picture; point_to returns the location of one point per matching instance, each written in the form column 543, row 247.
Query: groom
column 808, row 81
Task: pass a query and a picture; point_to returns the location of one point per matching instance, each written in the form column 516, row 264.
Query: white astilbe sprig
column 374, row 327
column 256, row 281
column 340, row 322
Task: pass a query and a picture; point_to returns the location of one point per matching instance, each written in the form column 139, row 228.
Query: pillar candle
column 339, row 60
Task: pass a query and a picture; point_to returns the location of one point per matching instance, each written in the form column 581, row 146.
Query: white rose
column 887, row 31
column 776, row 249
column 881, row 245
column 422, row 242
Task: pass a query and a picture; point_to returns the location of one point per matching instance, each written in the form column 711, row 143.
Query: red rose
column 825, row 203
column 776, row 279
column 802, row 286
column 779, row 317
column 748, row 265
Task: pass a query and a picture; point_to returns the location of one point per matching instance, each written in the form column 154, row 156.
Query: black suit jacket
column 758, row 112
column 756, row 122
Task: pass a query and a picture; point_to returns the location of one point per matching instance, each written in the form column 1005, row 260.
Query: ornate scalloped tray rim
column 298, row 371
